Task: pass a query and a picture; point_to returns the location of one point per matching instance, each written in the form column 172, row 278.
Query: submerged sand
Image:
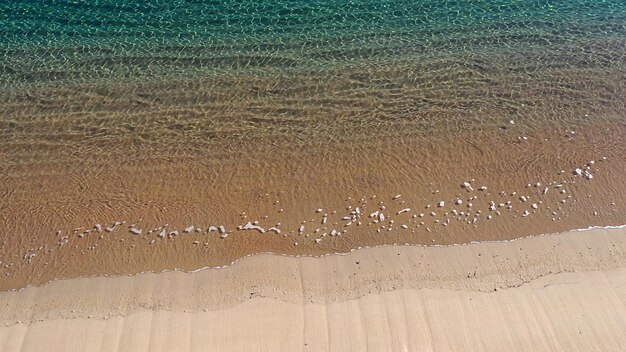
column 54, row 216
column 563, row 292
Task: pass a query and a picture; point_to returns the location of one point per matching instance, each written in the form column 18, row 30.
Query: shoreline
column 340, row 254
column 498, row 265
column 538, row 280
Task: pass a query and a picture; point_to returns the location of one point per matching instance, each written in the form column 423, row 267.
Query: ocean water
column 236, row 71
column 56, row 42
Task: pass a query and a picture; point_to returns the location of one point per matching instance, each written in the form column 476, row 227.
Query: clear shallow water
column 294, row 71
column 184, row 112
column 89, row 80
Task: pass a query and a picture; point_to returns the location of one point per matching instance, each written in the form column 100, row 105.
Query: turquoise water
column 69, row 41
column 87, row 80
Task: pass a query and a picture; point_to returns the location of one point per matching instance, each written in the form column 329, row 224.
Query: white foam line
column 609, row 227
column 396, row 244
column 601, row 227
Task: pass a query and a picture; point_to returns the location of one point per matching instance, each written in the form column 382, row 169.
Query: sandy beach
column 244, row 248
column 564, row 292
column 363, row 175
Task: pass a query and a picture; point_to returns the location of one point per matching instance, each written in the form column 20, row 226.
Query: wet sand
column 549, row 293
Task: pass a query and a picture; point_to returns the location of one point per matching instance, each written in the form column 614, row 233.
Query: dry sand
column 563, row 292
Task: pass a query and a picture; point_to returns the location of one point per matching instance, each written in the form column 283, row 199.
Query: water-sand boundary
column 554, row 283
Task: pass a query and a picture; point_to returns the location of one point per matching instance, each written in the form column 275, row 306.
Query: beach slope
column 564, row 292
